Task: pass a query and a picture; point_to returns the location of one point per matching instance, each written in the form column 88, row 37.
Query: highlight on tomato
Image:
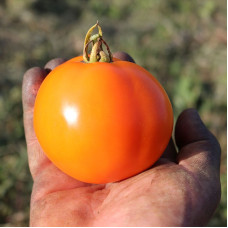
column 100, row 119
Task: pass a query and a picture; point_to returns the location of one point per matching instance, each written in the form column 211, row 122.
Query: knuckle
column 54, row 63
column 32, row 80
column 32, row 71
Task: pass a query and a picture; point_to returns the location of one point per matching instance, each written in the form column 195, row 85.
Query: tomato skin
column 102, row 122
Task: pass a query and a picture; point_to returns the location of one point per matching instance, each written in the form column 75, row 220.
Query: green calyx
column 97, row 53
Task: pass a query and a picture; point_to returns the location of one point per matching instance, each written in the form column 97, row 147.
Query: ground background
column 181, row 42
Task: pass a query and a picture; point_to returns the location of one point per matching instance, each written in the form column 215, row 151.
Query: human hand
column 181, row 189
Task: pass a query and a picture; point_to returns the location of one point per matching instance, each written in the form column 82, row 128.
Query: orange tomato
column 102, row 122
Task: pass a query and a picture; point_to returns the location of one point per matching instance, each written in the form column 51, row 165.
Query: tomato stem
column 97, row 53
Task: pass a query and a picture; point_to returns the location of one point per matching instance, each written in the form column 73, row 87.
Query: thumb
column 199, row 150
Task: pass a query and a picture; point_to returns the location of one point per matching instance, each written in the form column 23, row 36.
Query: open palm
column 181, row 189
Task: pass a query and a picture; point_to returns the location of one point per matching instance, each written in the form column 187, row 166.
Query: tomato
column 104, row 121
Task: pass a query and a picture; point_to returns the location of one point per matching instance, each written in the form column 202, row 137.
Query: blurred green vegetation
column 181, row 42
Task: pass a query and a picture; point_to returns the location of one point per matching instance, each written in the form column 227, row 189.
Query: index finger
column 32, row 81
